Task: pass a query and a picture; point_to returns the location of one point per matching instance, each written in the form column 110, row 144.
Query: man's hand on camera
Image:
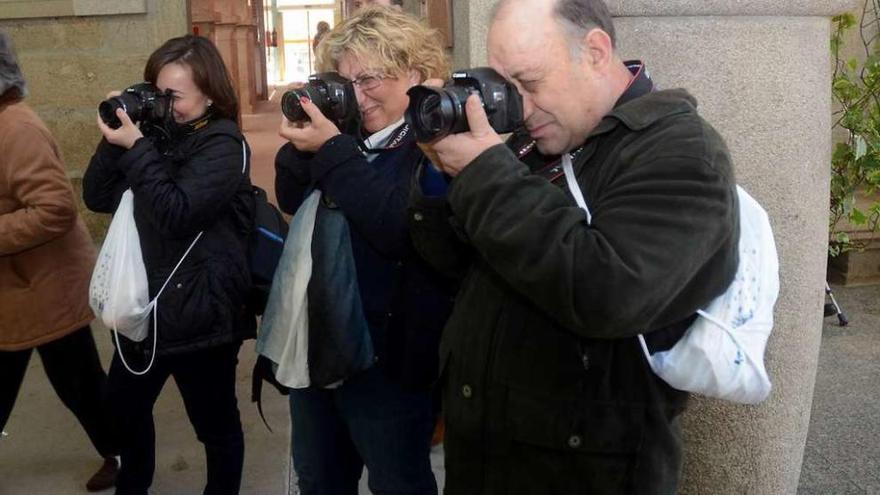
column 308, row 136
column 457, row 151
column 127, row 134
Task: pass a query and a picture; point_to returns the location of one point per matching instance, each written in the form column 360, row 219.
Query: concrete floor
column 842, row 456
column 46, row 451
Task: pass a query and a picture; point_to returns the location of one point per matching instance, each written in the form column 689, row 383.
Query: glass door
column 290, row 28
column 300, row 26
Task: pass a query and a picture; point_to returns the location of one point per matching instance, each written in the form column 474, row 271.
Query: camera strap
column 187, row 128
column 394, row 140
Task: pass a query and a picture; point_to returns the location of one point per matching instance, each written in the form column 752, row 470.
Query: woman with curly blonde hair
column 379, row 415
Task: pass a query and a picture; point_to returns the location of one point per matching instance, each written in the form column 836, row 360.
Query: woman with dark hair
column 46, row 261
column 189, row 175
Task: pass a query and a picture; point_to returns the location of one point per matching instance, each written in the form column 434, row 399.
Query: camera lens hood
column 433, row 113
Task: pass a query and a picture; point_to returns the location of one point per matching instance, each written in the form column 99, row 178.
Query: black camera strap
column 186, row 128
column 395, row 140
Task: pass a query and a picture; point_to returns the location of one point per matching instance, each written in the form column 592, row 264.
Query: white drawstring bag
column 119, row 292
column 721, row 354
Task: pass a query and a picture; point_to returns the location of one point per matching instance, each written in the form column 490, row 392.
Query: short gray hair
column 579, row 17
column 11, row 77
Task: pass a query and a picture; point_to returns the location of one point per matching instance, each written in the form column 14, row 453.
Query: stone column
column 470, row 21
column 224, row 38
column 761, row 72
column 244, row 44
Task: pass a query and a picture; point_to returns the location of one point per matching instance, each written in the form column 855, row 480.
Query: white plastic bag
column 119, row 293
column 284, row 329
column 721, row 354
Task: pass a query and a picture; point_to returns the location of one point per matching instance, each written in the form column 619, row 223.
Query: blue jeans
column 366, row 421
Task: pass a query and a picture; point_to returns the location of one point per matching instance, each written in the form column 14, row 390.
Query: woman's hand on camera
column 126, row 135
column 308, row 136
column 457, row 151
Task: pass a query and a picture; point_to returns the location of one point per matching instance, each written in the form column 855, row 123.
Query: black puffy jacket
column 183, row 186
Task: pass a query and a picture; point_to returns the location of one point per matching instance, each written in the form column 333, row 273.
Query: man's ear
column 598, row 48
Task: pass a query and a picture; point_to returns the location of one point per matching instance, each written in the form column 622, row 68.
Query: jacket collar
column 10, row 97
column 642, row 104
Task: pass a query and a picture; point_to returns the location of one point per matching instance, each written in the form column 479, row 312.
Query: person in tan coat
column 46, row 261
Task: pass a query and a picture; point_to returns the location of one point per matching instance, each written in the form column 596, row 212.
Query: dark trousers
column 206, row 379
column 75, row 372
column 367, row 420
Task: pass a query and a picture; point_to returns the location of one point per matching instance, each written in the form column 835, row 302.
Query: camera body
column 143, row 102
column 434, row 113
column 331, row 93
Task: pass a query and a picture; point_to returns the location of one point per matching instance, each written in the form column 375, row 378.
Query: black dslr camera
column 331, row 93
column 435, row 113
column 143, row 102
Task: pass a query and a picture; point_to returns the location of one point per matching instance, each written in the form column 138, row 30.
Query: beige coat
column 46, row 254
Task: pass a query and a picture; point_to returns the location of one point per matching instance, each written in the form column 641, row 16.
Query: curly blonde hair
column 388, row 40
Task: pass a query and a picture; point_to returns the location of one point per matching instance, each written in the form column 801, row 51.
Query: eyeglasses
column 368, row 81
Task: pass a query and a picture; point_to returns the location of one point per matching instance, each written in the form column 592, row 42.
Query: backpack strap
column 573, row 187
column 578, row 195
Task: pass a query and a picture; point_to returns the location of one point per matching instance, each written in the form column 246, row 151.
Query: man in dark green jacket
column 546, row 389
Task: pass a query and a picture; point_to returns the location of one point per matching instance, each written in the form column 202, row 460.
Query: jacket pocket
column 534, row 355
column 188, row 308
column 572, row 446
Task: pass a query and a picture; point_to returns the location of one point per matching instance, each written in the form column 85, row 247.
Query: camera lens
column 429, row 114
column 107, row 111
column 127, row 101
column 331, row 93
column 435, row 113
column 292, row 108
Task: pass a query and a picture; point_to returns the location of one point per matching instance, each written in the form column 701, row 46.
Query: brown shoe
column 105, row 477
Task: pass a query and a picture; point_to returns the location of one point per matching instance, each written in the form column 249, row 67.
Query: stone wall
column 761, row 71
column 71, row 63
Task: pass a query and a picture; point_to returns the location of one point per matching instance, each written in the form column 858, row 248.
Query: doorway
column 291, row 25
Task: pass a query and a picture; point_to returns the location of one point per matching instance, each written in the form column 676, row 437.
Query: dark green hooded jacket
column 546, row 389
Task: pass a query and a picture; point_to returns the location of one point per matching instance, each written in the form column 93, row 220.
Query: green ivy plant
column 855, row 163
